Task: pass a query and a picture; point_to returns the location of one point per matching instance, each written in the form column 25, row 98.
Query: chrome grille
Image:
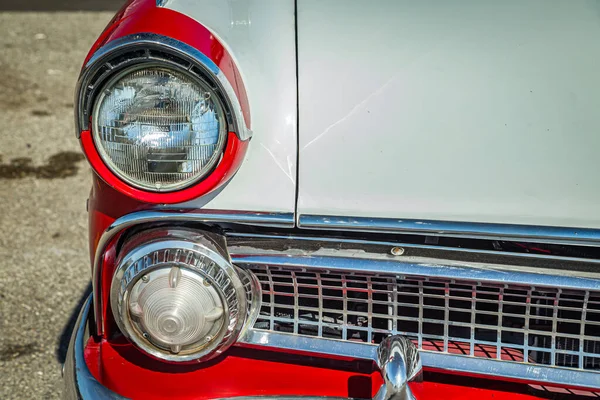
column 534, row 325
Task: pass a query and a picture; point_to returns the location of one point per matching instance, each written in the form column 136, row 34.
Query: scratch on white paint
column 287, row 173
column 352, row 112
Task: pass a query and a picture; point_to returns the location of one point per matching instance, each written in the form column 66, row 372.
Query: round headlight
column 159, row 129
column 177, row 298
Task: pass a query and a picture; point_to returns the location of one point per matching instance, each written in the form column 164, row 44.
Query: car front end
column 235, row 254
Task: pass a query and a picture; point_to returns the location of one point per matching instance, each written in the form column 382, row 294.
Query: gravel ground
column 44, row 183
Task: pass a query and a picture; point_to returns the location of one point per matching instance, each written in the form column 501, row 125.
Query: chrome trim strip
column 309, row 345
column 528, row 233
column 360, row 242
column 151, row 38
column 79, row 381
column 144, row 40
column 450, row 270
column 448, row 363
column 275, row 220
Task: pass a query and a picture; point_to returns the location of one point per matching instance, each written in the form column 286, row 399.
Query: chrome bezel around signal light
column 196, row 254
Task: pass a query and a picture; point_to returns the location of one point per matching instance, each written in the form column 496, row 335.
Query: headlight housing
column 159, row 120
column 158, row 129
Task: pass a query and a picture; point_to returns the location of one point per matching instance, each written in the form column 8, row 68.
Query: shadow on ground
column 65, row 336
column 60, row 5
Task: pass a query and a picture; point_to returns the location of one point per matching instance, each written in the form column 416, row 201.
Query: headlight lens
column 159, row 129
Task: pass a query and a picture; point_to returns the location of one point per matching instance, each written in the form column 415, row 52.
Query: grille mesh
column 534, row 325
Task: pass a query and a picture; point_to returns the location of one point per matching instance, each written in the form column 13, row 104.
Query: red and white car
column 343, row 199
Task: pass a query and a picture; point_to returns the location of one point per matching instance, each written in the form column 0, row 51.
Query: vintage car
column 342, row 198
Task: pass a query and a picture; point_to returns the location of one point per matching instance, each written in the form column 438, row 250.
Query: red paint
column 243, row 372
column 240, row 372
column 98, row 223
column 446, row 391
column 139, row 16
column 229, row 164
column 108, row 264
column 107, row 200
column 105, row 206
column 91, row 354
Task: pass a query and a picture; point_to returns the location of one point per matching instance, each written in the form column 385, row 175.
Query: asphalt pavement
column 44, row 184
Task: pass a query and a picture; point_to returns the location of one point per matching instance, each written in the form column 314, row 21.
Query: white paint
column 463, row 110
column 260, row 36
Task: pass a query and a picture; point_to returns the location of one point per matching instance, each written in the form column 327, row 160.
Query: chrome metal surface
column 199, row 259
column 80, row 384
column 526, row 258
column 144, row 48
column 253, row 298
column 541, row 234
column 399, row 362
column 317, row 346
column 443, row 362
column 279, row 220
column 433, row 269
column 538, row 321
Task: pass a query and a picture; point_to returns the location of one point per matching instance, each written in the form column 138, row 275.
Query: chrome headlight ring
column 141, row 48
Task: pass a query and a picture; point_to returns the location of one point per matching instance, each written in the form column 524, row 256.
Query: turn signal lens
column 176, row 309
column 159, row 129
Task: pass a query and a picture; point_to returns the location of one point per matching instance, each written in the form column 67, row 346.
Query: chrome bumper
column 397, row 358
column 79, row 381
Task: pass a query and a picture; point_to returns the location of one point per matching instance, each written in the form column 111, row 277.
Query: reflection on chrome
column 399, row 362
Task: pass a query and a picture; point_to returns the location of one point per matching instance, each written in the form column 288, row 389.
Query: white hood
column 460, row 110
column 476, row 111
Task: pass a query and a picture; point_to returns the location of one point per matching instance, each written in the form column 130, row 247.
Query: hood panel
column 260, row 36
column 475, row 111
